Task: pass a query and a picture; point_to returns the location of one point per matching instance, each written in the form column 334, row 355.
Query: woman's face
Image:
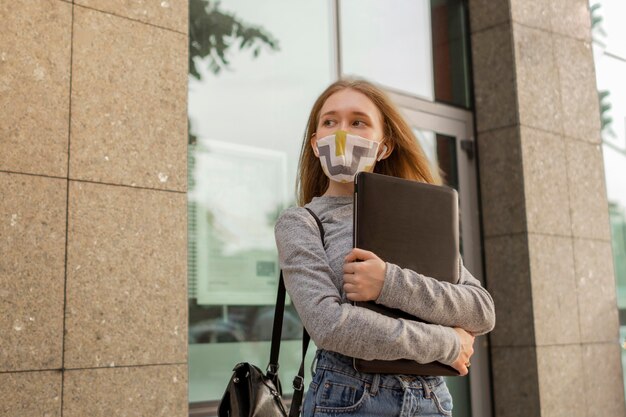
column 351, row 111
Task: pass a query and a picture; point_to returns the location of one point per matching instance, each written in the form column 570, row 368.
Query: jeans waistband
column 333, row 361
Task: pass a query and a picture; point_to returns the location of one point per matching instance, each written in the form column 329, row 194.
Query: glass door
column 446, row 135
column 254, row 76
column 254, row 73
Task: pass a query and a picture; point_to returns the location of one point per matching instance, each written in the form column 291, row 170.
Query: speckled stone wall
column 93, row 248
column 555, row 349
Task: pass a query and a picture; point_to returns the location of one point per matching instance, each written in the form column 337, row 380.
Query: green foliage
column 213, row 32
column 596, row 19
column 605, row 106
column 598, row 33
column 193, row 139
column 606, row 120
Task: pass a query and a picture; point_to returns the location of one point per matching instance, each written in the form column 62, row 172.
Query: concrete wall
column 555, row 348
column 93, row 150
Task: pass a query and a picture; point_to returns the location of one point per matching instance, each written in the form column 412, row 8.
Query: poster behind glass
column 240, row 192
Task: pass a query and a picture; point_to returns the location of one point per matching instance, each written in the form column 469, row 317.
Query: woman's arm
column 342, row 327
column 466, row 304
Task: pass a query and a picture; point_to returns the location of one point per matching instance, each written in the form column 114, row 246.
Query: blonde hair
column 406, row 160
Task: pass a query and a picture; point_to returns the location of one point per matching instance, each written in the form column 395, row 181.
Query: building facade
column 138, row 263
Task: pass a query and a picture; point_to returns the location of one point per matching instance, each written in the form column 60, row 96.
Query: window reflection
column 609, row 52
column 247, row 111
column 441, row 153
column 254, row 74
column 451, row 52
column 389, row 42
column 419, row 47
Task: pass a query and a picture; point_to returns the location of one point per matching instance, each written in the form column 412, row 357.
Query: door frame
column 459, row 124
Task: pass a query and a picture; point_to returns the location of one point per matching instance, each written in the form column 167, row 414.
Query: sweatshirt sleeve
column 466, row 304
column 342, row 327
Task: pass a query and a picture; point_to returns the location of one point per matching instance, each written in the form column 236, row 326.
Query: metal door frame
column 458, row 123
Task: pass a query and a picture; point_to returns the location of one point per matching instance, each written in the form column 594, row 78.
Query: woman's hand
column 363, row 281
column 467, row 350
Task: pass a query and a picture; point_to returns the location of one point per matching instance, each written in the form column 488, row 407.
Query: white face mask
column 343, row 155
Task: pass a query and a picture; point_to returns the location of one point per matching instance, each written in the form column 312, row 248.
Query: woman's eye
column 358, row 123
column 327, row 123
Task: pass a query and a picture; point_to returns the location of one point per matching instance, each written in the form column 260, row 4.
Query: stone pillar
column 93, row 181
column 555, row 348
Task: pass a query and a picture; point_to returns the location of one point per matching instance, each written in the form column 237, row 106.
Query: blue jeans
column 337, row 389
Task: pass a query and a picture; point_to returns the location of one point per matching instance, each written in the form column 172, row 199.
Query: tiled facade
column 93, row 181
column 545, row 213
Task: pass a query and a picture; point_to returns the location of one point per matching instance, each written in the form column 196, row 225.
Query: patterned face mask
column 343, row 155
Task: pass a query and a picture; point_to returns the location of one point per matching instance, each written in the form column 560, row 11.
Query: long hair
column 407, row 159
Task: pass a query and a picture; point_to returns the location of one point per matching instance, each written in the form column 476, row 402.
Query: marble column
column 555, row 349
column 93, row 182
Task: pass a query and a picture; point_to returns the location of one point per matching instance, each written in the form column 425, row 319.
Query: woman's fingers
column 368, row 275
column 461, row 368
column 351, row 292
column 461, row 363
column 349, row 279
column 360, row 254
column 355, row 296
column 350, row 268
column 467, row 350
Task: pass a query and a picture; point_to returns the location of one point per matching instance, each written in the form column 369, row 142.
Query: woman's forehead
column 350, row 101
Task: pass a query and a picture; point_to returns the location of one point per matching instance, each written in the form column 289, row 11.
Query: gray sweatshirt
column 313, row 277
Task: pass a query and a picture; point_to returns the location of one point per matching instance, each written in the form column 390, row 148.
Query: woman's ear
column 387, row 148
column 314, row 144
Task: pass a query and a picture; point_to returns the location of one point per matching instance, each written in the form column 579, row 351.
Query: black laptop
column 413, row 225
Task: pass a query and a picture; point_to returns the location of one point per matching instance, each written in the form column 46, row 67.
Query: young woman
column 354, row 127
